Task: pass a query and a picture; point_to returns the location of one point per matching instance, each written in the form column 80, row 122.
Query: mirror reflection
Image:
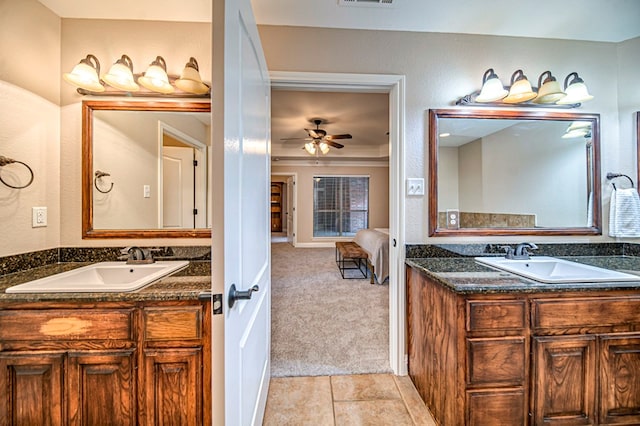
column 512, row 172
column 148, row 164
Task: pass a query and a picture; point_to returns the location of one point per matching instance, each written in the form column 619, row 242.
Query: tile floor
column 364, row 399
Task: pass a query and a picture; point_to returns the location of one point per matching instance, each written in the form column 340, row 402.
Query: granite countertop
column 464, row 275
column 186, row 284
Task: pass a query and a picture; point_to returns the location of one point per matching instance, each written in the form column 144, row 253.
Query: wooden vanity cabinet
column 105, row 363
column 524, row 358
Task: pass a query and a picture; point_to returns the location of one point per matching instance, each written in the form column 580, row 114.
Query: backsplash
column 24, row 261
column 415, row 251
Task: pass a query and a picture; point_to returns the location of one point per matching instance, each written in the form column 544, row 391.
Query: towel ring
column 5, row 161
column 100, row 175
column 617, row 175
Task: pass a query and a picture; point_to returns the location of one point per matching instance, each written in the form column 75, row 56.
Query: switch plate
column 38, row 217
column 415, row 186
column 146, row 191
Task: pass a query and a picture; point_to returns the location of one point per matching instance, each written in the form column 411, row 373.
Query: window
column 340, row 205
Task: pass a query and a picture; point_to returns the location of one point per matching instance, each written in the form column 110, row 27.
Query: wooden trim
column 88, row 106
column 435, row 114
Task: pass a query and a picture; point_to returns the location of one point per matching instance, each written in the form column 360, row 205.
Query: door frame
column 394, row 85
column 292, row 201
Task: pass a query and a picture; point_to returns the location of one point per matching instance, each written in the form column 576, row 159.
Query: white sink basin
column 101, row 277
column 552, row 270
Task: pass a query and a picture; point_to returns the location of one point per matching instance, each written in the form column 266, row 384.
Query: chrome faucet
column 520, row 253
column 136, row 254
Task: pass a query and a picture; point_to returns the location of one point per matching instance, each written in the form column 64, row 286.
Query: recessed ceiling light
column 444, row 135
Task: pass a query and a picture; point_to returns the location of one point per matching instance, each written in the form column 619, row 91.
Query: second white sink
column 101, row 277
column 552, row 270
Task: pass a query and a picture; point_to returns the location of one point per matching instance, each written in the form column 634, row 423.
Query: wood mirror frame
column 490, row 114
column 88, row 232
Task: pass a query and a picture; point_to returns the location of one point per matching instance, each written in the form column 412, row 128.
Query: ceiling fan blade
column 313, row 133
column 334, row 144
column 345, row 136
column 296, row 139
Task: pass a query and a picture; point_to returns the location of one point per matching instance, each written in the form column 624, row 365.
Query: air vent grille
column 367, row 3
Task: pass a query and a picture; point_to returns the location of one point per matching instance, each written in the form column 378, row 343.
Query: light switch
column 147, row 191
column 415, row 186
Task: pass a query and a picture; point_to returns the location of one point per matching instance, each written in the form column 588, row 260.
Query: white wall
column 440, row 68
column 29, row 124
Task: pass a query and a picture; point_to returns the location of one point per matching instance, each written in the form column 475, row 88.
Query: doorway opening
column 393, row 85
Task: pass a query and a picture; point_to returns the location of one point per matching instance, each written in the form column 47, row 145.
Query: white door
column 177, row 201
column 290, row 207
column 246, row 122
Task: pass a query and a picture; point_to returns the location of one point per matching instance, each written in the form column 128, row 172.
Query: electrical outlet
column 415, row 186
column 38, row 217
column 146, row 191
column 453, row 219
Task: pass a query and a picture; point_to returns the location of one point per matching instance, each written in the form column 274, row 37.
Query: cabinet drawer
column 496, row 361
column 173, row 323
column 495, row 315
column 66, row 324
column 497, row 408
column 577, row 312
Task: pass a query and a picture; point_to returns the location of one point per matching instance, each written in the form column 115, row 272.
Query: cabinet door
column 620, row 380
column 564, row 380
column 172, row 387
column 102, row 388
column 31, row 389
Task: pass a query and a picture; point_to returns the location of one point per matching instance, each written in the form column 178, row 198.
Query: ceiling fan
column 320, row 140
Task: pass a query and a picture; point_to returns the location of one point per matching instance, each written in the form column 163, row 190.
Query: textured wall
column 440, row 68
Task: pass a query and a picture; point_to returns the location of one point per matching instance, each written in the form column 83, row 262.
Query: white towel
column 624, row 213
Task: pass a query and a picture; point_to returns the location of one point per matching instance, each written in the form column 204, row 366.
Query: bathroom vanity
column 107, row 358
column 488, row 347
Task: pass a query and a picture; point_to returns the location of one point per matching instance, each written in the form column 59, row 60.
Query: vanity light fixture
column 121, row 79
column 521, row 90
column 576, row 90
column 190, row 80
column 86, row 74
column 548, row 94
column 492, row 88
column 120, row 75
column 549, row 90
column 155, row 78
column 578, row 129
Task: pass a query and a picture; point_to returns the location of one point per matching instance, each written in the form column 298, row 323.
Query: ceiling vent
column 366, row 3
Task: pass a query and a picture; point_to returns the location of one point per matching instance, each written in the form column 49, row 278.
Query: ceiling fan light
column 310, row 147
column 492, row 88
column 521, row 90
column 324, row 148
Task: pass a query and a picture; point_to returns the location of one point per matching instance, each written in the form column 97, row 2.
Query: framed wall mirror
column 145, row 169
column 494, row 172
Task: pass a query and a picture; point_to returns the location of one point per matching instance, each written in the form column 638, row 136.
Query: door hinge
column 195, row 163
column 216, row 302
column 195, row 211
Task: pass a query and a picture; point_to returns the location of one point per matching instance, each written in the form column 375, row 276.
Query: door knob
column 240, row 294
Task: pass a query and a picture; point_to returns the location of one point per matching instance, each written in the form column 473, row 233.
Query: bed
column 376, row 243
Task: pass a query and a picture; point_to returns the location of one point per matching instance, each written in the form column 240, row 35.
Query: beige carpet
column 322, row 324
